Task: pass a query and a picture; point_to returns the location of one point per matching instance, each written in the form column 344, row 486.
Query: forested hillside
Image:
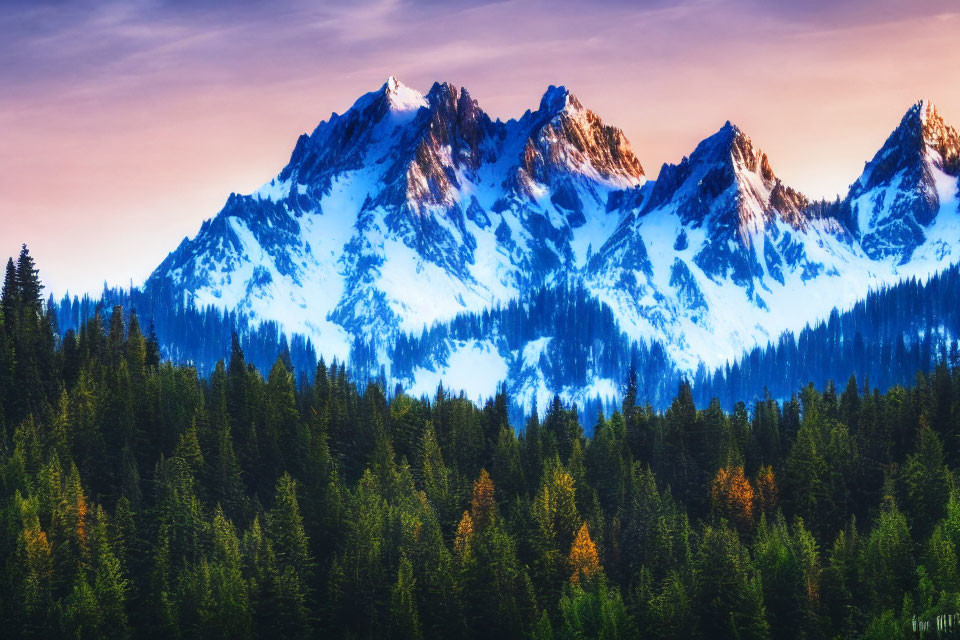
column 186, row 334
column 138, row 498
column 884, row 339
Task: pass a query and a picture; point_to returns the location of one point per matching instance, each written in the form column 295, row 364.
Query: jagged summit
column 557, row 99
column 730, row 145
column 726, row 183
column 407, row 187
column 903, row 188
column 566, row 139
column 923, row 115
column 716, row 227
column 922, row 133
column 410, row 208
column 401, row 97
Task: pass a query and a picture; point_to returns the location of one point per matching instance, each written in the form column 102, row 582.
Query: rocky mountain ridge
column 411, row 208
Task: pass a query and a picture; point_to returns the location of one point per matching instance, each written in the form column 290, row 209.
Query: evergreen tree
column 404, row 617
column 729, row 590
column 292, row 560
column 886, row 564
column 124, row 482
column 926, row 481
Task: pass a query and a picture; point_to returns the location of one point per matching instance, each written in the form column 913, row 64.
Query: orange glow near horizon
column 121, row 129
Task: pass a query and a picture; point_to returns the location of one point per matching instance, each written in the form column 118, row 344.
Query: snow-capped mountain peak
column 557, row 99
column 567, row 143
column 410, row 208
column 401, row 97
column 902, row 189
column 728, row 185
column 939, row 138
column 715, row 251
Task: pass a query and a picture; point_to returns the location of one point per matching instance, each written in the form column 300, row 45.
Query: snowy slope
column 906, row 186
column 719, row 255
column 409, row 209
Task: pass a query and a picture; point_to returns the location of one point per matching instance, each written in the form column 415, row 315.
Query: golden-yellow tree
column 583, row 556
column 733, row 497
column 464, row 537
column 483, row 504
column 555, row 510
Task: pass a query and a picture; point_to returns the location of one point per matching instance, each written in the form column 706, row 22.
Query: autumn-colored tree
column 733, row 497
column 563, row 507
column 555, row 510
column 583, row 556
column 125, row 485
column 483, row 505
column 461, row 544
column 39, row 564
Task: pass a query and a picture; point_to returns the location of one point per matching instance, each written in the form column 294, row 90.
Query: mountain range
column 410, row 209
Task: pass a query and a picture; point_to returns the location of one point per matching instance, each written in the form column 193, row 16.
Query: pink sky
column 124, row 125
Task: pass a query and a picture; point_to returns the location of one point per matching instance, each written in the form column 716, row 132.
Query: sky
column 123, row 125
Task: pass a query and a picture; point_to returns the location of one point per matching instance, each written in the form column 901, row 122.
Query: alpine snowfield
column 410, row 209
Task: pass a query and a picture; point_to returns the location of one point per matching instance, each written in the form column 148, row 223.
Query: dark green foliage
column 141, row 499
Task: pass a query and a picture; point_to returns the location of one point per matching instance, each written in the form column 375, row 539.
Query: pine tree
column 500, row 599
column 293, row 561
column 363, row 559
column 507, row 467
column 671, row 611
column 768, row 494
column 36, row 565
column 83, row 617
column 595, row 612
column 436, row 476
column 583, row 559
column 840, row 579
column 286, row 528
column 29, row 289
column 404, row 617
column 10, row 296
column 734, row 498
column 152, row 349
column 280, row 429
column 32, row 339
column 483, row 505
column 110, row 587
column 729, row 591
column 926, row 481
column 886, row 563
column 231, row 614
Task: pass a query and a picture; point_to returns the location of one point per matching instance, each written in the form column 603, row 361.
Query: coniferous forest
column 141, row 499
column 884, row 340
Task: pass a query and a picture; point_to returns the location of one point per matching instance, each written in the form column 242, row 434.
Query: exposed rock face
column 572, row 139
column 899, row 194
column 719, row 253
column 727, row 182
column 408, row 190
column 410, row 208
